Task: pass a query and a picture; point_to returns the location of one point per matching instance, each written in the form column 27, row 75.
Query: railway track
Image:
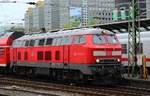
column 81, row 91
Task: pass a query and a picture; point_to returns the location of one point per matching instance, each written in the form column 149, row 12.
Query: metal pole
column 133, row 37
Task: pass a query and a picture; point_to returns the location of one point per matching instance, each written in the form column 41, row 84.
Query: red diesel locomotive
column 6, row 41
column 78, row 55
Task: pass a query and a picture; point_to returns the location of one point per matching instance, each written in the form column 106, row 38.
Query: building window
column 40, row 55
column 48, row 55
column 57, row 55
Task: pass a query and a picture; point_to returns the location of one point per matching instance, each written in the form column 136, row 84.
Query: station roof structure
column 122, row 26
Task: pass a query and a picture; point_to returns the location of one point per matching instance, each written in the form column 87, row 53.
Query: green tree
column 92, row 21
column 75, row 22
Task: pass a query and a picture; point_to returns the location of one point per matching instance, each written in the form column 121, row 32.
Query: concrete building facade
column 38, row 16
column 124, row 5
column 148, row 8
column 56, row 14
column 101, row 10
column 28, row 20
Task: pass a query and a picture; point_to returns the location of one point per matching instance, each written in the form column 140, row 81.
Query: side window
column 14, row 44
column 41, row 42
column 27, row 43
column 25, row 55
column 40, row 55
column 19, row 43
column 57, row 55
column 124, row 48
column 48, row 55
column 59, row 40
column 32, row 42
column 36, row 43
column 19, row 55
column 49, row 41
column 23, row 43
column 66, row 40
column 54, row 41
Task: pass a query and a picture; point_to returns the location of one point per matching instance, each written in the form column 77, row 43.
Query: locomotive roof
column 62, row 33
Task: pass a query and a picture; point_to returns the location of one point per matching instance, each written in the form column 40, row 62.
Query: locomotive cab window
column 41, row 42
column 111, row 39
column 101, row 39
column 98, row 39
column 79, row 39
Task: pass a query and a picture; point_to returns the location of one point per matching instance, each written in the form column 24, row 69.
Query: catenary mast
column 133, row 37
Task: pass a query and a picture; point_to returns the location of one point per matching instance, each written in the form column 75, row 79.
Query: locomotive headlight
column 97, row 61
column 118, row 60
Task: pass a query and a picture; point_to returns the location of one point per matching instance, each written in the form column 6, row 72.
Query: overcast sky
column 13, row 12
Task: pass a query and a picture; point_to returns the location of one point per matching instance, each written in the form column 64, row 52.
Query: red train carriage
column 5, row 43
column 85, row 54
